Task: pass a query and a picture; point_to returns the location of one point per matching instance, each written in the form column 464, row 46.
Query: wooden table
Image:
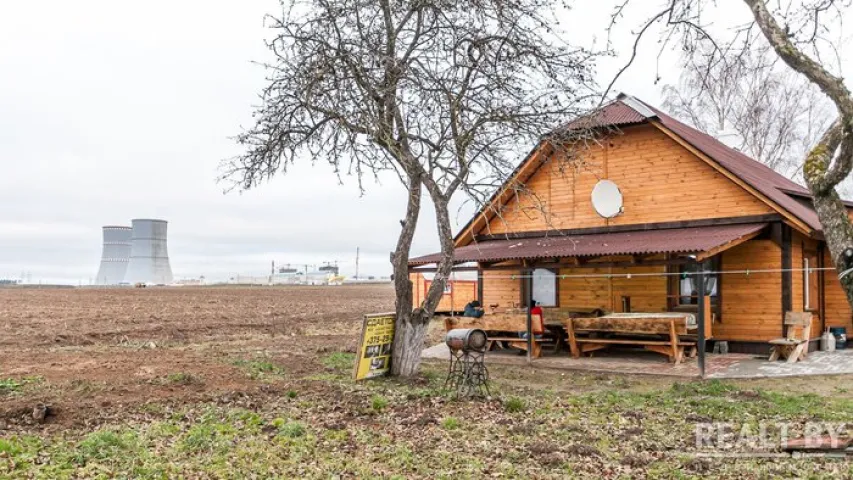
column 632, row 329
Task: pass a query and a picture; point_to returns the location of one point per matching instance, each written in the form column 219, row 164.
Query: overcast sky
column 117, row 110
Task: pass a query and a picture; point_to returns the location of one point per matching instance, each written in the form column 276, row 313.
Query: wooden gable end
column 660, row 181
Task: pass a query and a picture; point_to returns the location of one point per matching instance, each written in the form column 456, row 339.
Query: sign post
column 374, row 348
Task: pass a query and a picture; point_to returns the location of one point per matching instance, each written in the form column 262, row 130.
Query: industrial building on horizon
column 137, row 254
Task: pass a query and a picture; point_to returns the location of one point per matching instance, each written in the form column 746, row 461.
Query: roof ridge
column 637, row 105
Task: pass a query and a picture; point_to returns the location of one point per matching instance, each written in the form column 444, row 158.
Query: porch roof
column 709, row 239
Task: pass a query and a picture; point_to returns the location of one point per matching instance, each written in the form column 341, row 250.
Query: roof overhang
column 703, row 242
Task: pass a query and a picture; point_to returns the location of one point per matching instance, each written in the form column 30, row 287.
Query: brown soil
column 93, row 351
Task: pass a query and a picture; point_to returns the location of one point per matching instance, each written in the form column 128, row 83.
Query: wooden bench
column 508, row 323
column 656, row 333
column 795, row 345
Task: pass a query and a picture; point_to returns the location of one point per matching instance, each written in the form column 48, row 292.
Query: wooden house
column 687, row 202
column 457, row 293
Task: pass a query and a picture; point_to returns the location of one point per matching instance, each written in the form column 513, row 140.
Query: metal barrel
column 466, row 339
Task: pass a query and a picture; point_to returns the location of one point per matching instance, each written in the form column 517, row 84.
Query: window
column 544, row 288
column 811, row 295
column 448, row 287
column 687, row 280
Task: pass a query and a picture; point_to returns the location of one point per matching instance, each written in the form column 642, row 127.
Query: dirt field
column 101, row 346
column 255, row 383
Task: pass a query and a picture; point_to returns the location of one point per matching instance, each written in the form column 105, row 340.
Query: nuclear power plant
column 137, row 254
column 115, row 255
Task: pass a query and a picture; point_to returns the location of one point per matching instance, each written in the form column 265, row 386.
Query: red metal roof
column 674, row 240
column 614, row 114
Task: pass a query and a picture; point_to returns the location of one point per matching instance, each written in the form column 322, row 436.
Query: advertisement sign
column 374, row 350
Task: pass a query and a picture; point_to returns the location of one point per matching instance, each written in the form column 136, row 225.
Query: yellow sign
column 374, row 351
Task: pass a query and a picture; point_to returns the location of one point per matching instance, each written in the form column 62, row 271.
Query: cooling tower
column 115, row 255
column 149, row 257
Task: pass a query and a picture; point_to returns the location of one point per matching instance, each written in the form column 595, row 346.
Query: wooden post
column 700, row 320
column 787, row 275
column 529, row 280
column 480, row 286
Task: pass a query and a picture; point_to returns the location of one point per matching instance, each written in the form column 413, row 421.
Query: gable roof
column 759, row 176
column 784, row 194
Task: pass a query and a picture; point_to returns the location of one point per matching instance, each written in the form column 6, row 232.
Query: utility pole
column 357, row 252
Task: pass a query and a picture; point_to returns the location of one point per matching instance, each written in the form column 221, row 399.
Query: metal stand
column 468, row 374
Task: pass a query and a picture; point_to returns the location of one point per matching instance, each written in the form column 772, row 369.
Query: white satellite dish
column 607, row 199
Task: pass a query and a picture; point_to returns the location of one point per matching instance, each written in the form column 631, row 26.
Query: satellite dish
column 607, row 199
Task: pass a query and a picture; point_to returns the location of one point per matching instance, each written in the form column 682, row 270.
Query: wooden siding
column 461, row 292
column 752, row 304
column 660, row 181
column 803, row 247
column 648, row 294
column 500, row 289
column 838, row 312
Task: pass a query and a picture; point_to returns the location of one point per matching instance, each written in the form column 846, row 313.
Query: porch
column 637, row 362
column 733, row 278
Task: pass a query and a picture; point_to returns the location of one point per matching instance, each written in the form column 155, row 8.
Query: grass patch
column 289, row 429
column 378, row 403
column 515, row 405
column 12, row 385
column 336, row 428
column 450, row 423
column 9, row 385
column 339, row 361
column 105, row 445
column 259, row 368
column 8, row 448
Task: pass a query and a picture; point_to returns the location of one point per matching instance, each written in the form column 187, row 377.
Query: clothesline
column 746, row 272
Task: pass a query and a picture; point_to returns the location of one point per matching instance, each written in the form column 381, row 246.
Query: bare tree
column 753, row 103
column 443, row 93
column 806, row 36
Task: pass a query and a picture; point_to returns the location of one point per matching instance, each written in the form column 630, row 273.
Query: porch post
column 529, row 283
column 700, row 319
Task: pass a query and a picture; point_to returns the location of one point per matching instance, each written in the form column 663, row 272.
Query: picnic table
column 658, row 332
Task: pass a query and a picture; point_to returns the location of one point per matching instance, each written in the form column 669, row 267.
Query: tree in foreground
column 445, row 94
column 805, row 35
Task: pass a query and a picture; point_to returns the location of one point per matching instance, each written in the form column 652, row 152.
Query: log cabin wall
column 461, row 292
column 805, row 249
column 751, row 308
column 499, row 288
column 838, row 312
column 648, row 294
column 660, row 181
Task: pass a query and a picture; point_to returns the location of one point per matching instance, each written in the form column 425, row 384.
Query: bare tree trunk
column 412, row 324
column 838, row 233
column 405, row 358
column 822, row 174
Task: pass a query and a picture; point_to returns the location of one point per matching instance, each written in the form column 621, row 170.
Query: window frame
column 523, row 289
column 674, row 303
column 811, row 304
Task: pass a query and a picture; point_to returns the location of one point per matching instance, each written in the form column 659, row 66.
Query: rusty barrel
column 466, row 339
